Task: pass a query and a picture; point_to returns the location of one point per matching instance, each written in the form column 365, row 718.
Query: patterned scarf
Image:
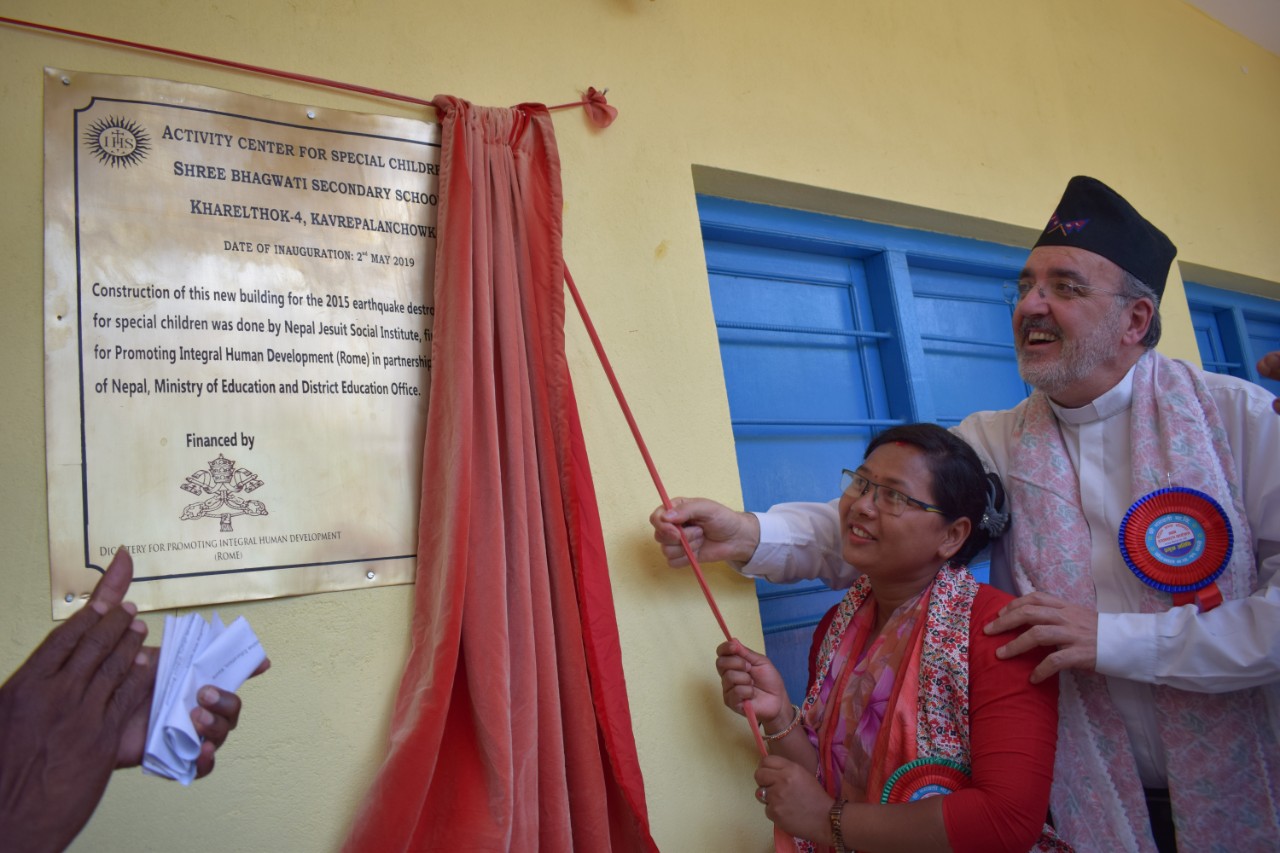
column 907, row 697
column 1223, row 762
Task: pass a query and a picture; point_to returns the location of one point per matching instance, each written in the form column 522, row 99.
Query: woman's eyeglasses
column 886, row 499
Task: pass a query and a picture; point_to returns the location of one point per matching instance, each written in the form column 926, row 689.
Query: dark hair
column 960, row 485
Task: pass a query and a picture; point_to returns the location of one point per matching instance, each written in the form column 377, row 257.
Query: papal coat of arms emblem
column 223, row 482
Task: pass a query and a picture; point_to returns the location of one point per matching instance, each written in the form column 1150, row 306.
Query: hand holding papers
column 194, row 653
column 79, row 707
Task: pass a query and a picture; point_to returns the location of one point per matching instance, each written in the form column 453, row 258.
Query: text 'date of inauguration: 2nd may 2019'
column 239, row 315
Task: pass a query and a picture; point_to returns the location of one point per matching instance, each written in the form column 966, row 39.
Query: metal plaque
column 238, row 325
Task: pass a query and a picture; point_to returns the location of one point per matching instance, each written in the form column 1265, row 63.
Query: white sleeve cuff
column 1127, row 646
column 775, row 537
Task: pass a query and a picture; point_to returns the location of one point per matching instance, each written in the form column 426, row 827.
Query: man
column 77, row 709
column 1163, row 706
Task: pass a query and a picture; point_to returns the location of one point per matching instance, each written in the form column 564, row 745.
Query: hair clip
column 994, row 521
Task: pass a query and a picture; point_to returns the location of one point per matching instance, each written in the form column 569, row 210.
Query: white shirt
column 1232, row 647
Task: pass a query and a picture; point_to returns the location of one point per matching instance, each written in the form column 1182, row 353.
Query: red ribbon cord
column 593, row 102
column 602, row 115
column 747, row 707
column 595, row 105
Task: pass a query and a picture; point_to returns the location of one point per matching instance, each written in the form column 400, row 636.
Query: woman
column 908, row 700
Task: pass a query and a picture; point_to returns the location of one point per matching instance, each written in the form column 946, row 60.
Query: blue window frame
column 831, row 330
column 1234, row 330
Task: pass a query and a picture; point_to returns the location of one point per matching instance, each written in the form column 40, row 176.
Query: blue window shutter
column 830, row 331
column 1234, row 330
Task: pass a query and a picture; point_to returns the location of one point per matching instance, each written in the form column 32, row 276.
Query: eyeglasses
column 1058, row 289
column 886, row 499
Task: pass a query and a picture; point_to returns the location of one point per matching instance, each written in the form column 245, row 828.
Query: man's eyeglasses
column 886, row 499
column 1059, row 290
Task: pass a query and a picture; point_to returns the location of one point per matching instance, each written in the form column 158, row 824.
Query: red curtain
column 511, row 729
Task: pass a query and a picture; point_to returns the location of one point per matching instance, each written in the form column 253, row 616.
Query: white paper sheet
column 194, row 653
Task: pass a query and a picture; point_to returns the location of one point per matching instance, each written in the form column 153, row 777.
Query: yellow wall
column 966, row 116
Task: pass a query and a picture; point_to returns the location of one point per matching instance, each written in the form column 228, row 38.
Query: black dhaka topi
column 1094, row 217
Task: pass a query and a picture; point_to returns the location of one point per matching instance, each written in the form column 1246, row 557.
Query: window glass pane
column 821, row 322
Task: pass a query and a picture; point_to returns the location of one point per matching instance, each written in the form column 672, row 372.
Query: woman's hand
column 747, row 675
column 793, row 799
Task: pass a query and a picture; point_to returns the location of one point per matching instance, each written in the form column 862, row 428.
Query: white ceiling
column 1256, row 20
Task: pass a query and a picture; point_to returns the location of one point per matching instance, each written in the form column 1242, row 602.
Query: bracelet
column 837, row 812
column 780, row 735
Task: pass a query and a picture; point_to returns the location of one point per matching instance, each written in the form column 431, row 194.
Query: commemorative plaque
column 238, row 326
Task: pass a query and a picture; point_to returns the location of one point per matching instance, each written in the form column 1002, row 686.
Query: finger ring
column 761, row 794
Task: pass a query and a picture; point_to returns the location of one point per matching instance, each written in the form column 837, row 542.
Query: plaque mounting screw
column 311, row 113
column 66, row 81
column 369, row 575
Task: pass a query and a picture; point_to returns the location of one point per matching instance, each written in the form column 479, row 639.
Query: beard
column 1079, row 357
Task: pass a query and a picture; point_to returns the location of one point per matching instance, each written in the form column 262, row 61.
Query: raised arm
column 62, row 717
column 791, row 542
column 714, row 531
column 218, row 711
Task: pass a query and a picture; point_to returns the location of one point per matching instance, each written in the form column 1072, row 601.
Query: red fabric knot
column 595, row 105
column 598, row 109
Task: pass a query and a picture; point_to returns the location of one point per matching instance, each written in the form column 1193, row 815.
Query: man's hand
column 218, row 714
column 78, row 709
column 714, row 531
column 1049, row 621
column 62, row 716
column 1269, row 366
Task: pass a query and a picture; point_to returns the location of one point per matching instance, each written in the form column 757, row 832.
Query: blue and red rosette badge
column 1178, row 540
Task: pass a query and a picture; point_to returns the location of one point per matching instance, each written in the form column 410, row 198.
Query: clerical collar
column 1111, row 403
